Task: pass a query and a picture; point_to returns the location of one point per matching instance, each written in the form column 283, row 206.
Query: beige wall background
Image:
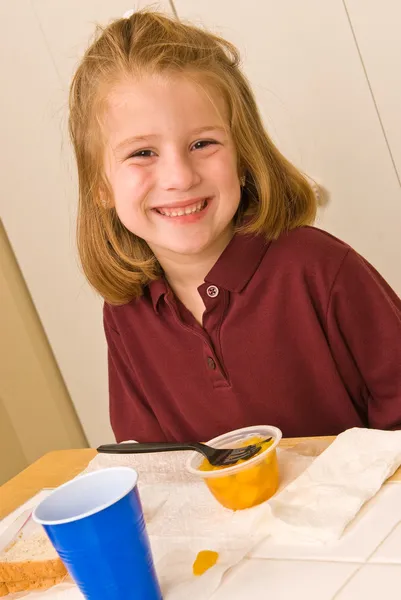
column 36, row 412
column 327, row 76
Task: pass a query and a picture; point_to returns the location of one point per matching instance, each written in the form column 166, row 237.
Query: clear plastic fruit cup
column 247, row 483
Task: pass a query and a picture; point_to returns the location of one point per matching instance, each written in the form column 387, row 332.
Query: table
column 354, row 570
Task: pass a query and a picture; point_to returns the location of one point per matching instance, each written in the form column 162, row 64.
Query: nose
column 178, row 172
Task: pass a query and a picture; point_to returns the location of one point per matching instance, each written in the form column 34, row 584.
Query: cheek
column 224, row 172
column 131, row 188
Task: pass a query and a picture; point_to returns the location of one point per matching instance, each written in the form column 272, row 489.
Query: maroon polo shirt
column 301, row 333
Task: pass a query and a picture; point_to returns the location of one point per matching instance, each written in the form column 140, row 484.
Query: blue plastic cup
column 96, row 524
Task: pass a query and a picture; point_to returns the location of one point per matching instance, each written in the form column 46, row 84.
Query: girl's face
column 171, row 163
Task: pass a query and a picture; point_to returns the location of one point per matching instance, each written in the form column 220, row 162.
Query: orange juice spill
column 204, row 561
column 248, row 487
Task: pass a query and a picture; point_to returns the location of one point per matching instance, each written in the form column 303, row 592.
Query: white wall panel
column 306, row 71
column 377, row 28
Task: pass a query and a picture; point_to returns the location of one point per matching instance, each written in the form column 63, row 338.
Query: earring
column 242, row 180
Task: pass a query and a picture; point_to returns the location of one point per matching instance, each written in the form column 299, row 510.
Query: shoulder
column 312, row 240
column 307, row 261
column 116, row 317
column 311, row 248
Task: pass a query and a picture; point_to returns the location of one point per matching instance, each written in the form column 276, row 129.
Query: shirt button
column 212, row 291
column 210, row 363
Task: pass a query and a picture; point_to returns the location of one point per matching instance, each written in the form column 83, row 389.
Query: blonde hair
column 276, row 196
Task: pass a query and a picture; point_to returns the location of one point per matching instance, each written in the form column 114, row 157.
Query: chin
column 190, row 245
column 188, row 249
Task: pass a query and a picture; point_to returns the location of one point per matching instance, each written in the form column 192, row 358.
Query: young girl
column 223, row 306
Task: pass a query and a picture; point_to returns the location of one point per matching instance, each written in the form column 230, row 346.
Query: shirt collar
column 157, row 289
column 239, row 262
column 232, row 271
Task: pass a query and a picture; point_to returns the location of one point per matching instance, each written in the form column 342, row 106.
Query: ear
column 105, row 197
column 242, row 174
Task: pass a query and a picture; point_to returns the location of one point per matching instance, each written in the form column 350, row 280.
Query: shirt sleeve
column 364, row 328
column 131, row 416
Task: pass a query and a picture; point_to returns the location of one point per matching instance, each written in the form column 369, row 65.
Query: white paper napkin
column 183, row 518
column 319, row 504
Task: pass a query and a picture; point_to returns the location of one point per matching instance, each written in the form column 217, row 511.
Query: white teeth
column 180, row 212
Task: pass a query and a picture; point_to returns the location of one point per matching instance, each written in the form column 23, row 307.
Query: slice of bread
column 30, row 563
column 27, row 585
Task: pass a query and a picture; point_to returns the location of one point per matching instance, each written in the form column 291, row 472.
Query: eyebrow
column 125, row 144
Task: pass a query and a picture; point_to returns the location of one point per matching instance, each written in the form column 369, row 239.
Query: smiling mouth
column 183, row 211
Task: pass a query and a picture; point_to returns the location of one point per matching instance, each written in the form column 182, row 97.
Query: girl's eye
column 142, row 154
column 203, row 144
